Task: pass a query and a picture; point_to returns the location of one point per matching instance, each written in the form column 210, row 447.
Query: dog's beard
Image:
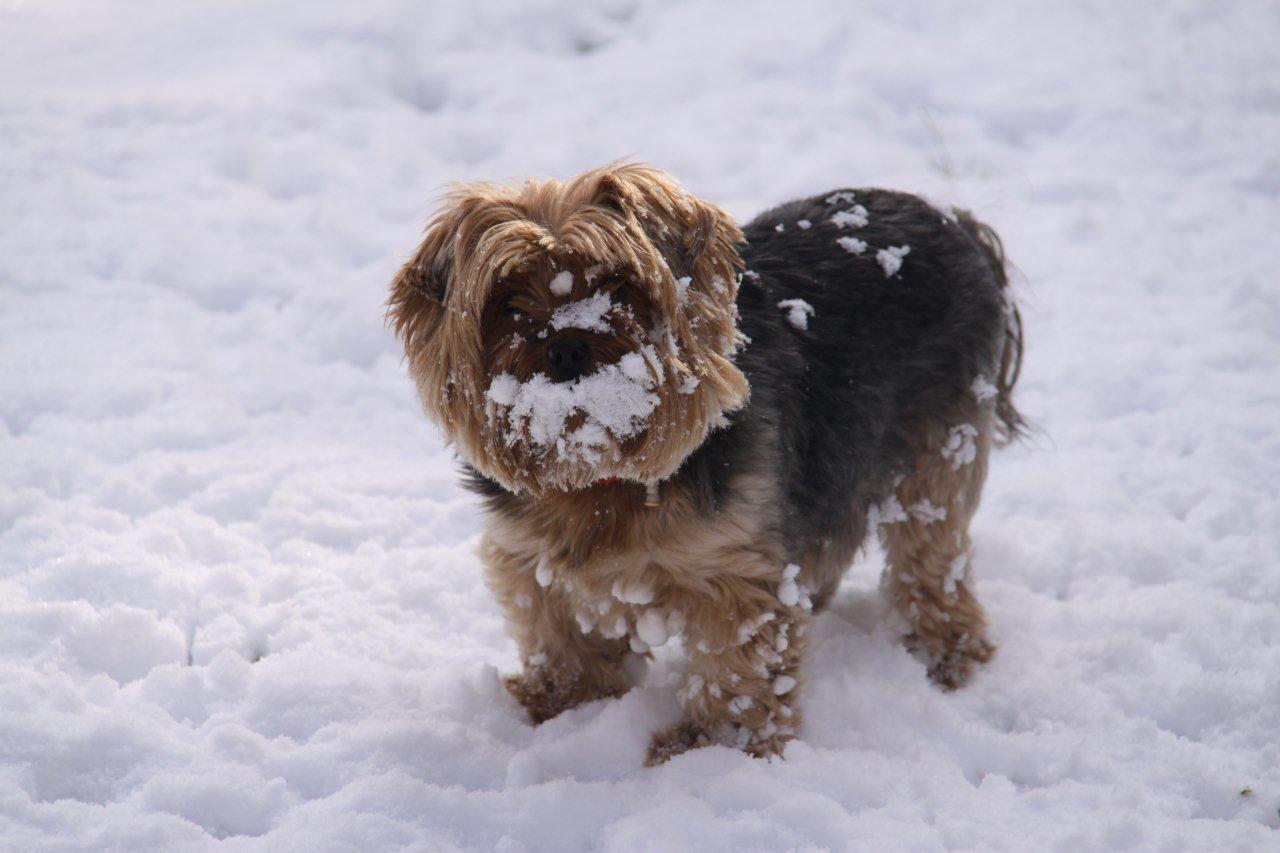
column 574, row 433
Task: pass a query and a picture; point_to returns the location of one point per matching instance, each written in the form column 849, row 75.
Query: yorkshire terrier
column 682, row 428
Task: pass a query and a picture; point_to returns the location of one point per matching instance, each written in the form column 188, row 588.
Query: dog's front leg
column 564, row 666
column 743, row 678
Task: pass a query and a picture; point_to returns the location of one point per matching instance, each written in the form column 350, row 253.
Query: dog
column 678, row 427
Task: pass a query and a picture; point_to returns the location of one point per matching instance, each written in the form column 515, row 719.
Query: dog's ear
column 415, row 305
column 695, row 238
column 684, row 226
column 421, row 286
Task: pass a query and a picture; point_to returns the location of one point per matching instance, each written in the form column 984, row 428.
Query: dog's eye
column 507, row 305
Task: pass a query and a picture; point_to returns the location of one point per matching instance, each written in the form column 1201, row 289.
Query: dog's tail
column 1012, row 424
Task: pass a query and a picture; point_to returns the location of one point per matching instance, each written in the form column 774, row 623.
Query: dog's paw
column 669, row 743
column 545, row 696
column 951, row 669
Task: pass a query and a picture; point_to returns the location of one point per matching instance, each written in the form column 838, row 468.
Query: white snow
column 562, row 283
column 656, row 626
column 890, row 259
column 798, row 312
column 240, row 607
column 804, row 224
column 503, row 389
column 749, row 627
column 854, row 217
column 925, row 510
column 957, row 573
column 617, row 400
column 788, row 590
column 852, row 245
column 652, row 627
column 543, row 573
column 961, row 447
column 588, row 314
column 682, row 289
column 633, row 592
column 982, row 389
column 888, row 511
column 636, row 365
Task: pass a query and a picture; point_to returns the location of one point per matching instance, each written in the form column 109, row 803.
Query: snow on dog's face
column 562, row 333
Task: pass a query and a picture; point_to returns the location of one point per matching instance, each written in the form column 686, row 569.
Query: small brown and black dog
column 682, row 428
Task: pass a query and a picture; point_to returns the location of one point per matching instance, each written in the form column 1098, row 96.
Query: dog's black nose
column 568, row 358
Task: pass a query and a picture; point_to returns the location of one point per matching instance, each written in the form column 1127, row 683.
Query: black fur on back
column 836, row 408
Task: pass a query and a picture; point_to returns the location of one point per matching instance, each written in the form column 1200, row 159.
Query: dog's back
column 878, row 324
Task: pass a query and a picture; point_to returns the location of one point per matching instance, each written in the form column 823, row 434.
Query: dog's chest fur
column 618, row 563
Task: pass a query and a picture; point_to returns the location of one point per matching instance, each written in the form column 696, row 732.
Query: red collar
column 607, row 481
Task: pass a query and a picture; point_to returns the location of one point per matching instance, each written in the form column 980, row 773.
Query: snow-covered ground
column 239, row 608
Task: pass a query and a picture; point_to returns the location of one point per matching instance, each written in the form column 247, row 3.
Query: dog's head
column 564, row 333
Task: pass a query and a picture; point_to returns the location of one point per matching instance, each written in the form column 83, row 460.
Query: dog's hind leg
column 564, row 666
column 925, row 531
